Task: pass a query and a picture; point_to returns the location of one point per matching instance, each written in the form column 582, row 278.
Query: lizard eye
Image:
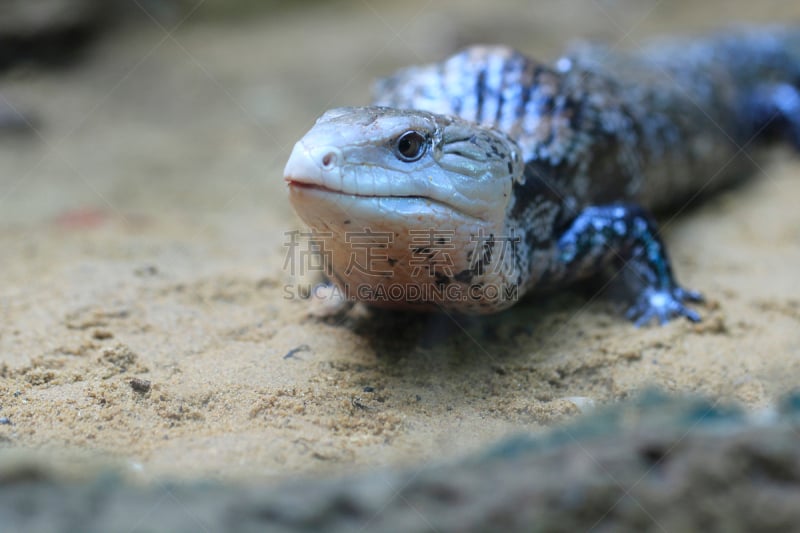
column 410, row 146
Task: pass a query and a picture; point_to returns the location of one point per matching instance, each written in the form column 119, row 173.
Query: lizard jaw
column 317, row 204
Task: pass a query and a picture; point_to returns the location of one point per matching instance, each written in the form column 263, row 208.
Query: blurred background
column 153, row 105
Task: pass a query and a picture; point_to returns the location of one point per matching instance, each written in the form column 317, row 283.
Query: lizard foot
column 663, row 305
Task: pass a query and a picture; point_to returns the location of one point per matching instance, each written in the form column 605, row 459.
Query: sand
column 142, row 229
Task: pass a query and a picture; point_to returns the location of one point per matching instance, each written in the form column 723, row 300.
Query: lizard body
column 529, row 177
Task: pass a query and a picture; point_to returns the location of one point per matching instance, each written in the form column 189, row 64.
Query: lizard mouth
column 299, row 184
column 407, row 203
column 294, row 183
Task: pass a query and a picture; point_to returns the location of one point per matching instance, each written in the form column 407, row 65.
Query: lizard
column 471, row 182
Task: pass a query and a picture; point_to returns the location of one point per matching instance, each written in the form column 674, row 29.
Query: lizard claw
column 663, row 305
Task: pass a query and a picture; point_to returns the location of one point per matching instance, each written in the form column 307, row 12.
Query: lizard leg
column 625, row 236
column 775, row 110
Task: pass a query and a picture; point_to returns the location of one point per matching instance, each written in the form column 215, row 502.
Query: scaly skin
column 528, row 177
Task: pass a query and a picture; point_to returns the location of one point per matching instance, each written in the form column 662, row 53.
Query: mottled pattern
column 603, row 125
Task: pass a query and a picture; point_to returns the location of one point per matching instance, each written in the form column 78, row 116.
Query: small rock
column 140, row 385
column 146, row 271
column 102, row 334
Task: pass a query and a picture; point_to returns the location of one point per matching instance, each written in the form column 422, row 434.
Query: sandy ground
column 142, row 231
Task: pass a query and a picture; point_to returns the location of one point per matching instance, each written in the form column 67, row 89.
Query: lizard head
column 373, row 163
column 385, row 178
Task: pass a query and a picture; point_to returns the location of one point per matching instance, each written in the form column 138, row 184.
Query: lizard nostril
column 329, row 160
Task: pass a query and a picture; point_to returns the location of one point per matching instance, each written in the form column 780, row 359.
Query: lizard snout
column 311, row 166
